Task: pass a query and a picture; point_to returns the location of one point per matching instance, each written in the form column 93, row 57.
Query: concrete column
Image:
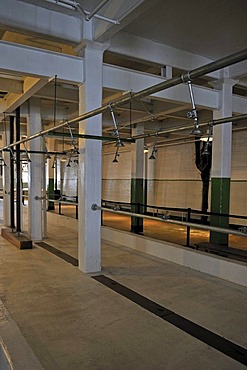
column 35, row 180
column 90, row 161
column 6, row 179
column 221, row 162
column 137, row 184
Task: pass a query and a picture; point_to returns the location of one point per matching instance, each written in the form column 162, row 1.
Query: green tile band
column 50, row 190
column 138, row 195
column 220, row 203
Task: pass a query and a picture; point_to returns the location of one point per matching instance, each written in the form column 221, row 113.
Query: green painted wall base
column 220, row 203
column 50, row 190
column 137, row 195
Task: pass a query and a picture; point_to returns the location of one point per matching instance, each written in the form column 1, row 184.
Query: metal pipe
column 18, row 170
column 198, row 72
column 95, row 207
column 212, row 122
column 64, row 4
column 37, row 152
column 106, row 19
column 98, row 7
column 12, row 175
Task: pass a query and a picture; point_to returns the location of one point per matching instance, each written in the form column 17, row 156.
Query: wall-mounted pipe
column 198, row 72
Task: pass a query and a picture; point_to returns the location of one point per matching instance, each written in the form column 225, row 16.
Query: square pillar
column 35, row 180
column 221, row 163
column 6, row 178
column 90, row 161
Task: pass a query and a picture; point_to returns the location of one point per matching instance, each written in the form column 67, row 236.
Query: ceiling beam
column 128, row 80
column 40, row 21
column 11, row 85
column 66, row 95
column 30, row 87
column 136, row 47
column 24, row 60
column 238, row 70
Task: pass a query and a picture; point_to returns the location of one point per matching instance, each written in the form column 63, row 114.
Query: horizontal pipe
column 213, row 122
column 198, row 72
column 37, row 152
column 95, row 207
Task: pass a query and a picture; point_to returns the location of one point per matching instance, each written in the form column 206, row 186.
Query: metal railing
column 187, row 217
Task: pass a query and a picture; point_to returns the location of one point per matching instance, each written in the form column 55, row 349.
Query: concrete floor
column 72, row 322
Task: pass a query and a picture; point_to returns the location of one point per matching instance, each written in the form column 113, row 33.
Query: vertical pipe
column 18, row 171
column 12, row 176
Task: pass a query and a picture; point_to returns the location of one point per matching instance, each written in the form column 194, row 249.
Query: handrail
column 195, row 211
column 95, row 207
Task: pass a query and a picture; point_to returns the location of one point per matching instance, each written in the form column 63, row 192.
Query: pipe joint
column 185, row 77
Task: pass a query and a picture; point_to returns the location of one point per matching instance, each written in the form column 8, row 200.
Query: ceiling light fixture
column 192, row 114
column 154, row 150
column 119, row 143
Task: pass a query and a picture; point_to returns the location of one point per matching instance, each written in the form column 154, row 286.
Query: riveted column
column 35, row 180
column 221, row 162
column 137, row 184
column 90, row 161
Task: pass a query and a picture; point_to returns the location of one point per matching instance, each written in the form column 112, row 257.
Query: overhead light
column 196, row 130
column 192, row 114
column 119, row 143
column 145, row 150
column 116, row 132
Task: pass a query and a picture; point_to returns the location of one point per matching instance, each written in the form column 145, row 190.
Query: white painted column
column 6, row 179
column 221, row 161
column 35, row 181
column 90, row 161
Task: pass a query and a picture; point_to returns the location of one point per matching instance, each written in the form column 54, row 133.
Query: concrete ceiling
column 210, row 28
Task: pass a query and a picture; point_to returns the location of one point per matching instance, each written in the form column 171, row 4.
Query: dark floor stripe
column 66, row 257
column 216, row 341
